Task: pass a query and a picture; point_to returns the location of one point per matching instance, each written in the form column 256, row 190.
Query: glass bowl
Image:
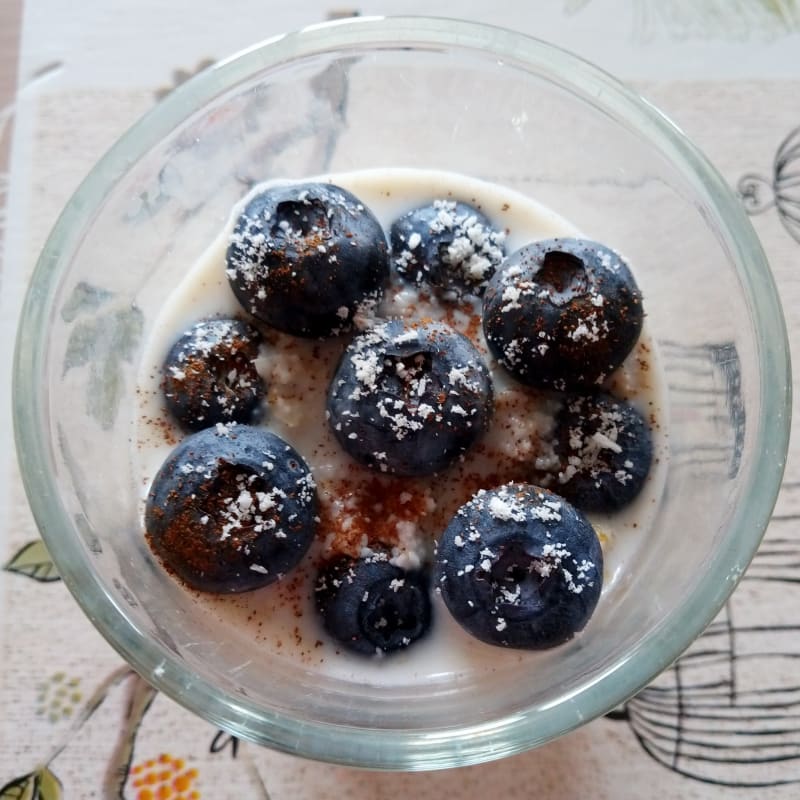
column 422, row 93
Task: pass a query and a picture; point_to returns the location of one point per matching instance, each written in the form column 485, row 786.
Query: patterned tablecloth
column 77, row 723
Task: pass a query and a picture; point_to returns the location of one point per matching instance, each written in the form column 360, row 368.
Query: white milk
column 406, row 513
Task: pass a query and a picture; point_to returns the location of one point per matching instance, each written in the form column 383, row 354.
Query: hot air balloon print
column 781, row 189
column 728, row 711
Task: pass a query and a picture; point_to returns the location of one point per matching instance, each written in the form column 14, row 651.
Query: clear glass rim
column 443, row 747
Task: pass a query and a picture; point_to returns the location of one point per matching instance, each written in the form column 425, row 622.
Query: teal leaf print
column 574, row 6
column 81, row 343
column 39, row 785
column 89, row 537
column 84, row 298
column 34, row 562
column 103, row 342
column 104, row 392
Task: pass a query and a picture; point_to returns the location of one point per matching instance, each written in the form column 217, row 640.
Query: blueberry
column 605, row 451
column 210, row 375
column 306, row 257
column 231, row 509
column 447, row 245
column 409, row 399
column 562, row 313
column 520, row 567
column 370, row 605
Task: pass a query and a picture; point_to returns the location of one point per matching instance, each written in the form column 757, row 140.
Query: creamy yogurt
column 359, row 507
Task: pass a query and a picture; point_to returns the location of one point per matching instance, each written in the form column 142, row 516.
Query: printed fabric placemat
column 77, row 722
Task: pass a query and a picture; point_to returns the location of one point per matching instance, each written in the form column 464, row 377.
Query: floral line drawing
column 33, row 561
column 165, row 777
column 41, row 783
column 58, row 696
column 712, row 717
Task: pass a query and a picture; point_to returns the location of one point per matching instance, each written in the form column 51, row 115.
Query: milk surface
column 358, row 506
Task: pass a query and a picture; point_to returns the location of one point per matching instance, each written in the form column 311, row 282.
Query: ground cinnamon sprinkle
column 359, row 507
column 182, row 538
column 369, row 509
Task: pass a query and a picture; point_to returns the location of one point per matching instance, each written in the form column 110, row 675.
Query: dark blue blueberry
column 306, row 257
column 562, row 313
column 519, row 566
column 409, row 399
column 231, row 509
column 605, row 450
column 449, row 246
column 210, row 375
column 371, row 606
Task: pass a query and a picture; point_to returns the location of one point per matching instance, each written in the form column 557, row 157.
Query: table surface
column 727, row 71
